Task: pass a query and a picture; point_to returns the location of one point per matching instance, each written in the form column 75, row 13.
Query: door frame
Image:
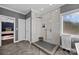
column 4, row 20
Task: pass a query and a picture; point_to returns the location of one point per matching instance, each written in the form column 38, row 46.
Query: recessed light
column 42, row 9
column 50, row 4
column 56, row 10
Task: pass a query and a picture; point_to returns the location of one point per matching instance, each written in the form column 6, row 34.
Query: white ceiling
column 23, row 8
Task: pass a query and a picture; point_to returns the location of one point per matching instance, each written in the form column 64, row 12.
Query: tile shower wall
column 52, row 22
column 36, row 26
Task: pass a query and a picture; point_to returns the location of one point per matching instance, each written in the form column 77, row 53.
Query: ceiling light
column 56, row 10
column 50, row 4
column 42, row 9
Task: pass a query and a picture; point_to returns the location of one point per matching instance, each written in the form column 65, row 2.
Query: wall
column 16, row 15
column 52, row 21
column 69, row 7
column 36, row 26
column 12, row 14
column 28, row 15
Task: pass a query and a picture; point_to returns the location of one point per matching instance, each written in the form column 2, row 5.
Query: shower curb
column 45, row 50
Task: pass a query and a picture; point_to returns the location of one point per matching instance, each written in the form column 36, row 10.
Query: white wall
column 21, row 29
column 36, row 26
column 52, row 21
column 28, row 29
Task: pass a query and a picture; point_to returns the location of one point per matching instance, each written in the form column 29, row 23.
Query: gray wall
column 13, row 14
column 69, row 7
column 28, row 15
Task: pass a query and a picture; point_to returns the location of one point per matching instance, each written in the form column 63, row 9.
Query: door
column 21, row 29
column 28, row 29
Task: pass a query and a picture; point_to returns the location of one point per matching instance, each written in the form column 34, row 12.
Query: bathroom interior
column 51, row 29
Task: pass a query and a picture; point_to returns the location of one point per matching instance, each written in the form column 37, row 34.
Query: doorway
column 7, row 30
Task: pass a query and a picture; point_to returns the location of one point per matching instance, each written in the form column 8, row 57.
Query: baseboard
column 18, row 41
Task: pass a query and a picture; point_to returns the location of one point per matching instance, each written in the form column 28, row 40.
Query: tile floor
column 23, row 48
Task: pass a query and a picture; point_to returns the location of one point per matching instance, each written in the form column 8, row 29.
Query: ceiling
column 23, row 8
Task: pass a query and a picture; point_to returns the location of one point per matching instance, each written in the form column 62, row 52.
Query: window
column 71, row 23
